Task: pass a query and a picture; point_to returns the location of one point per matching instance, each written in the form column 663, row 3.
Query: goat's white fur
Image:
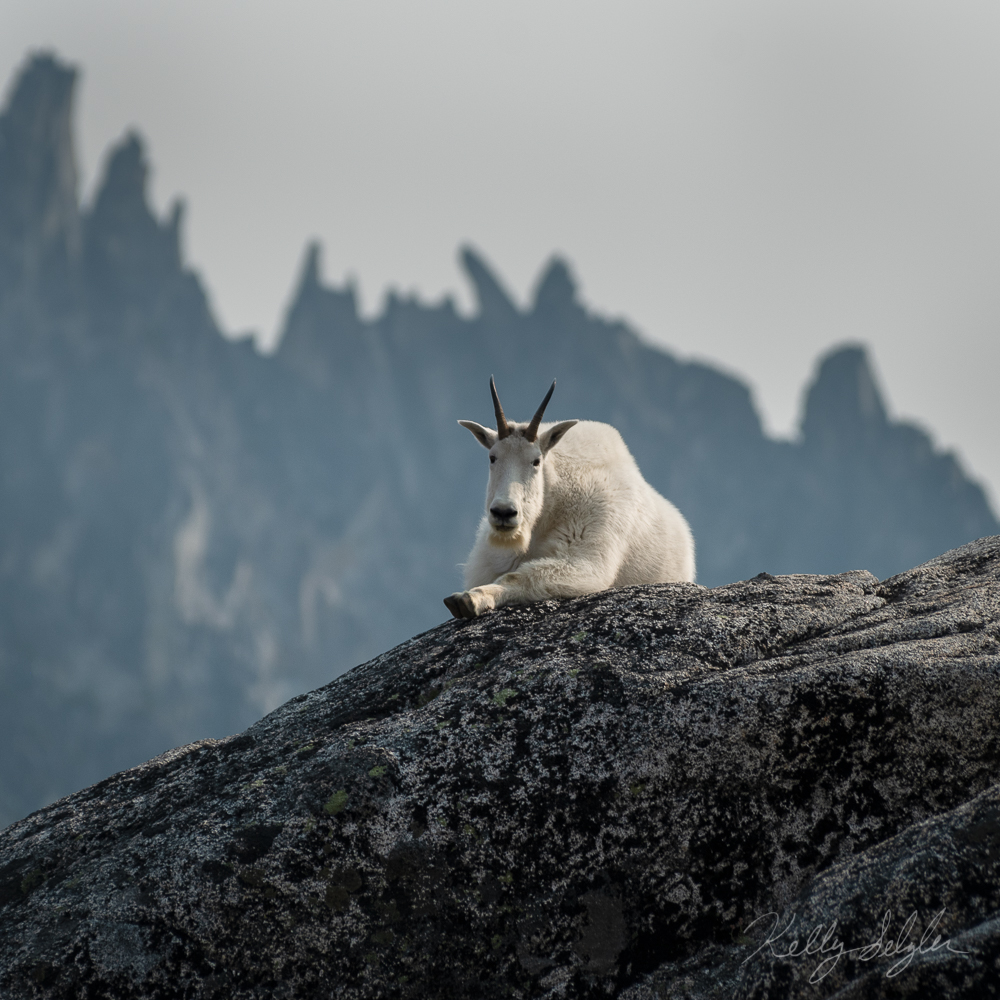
column 586, row 520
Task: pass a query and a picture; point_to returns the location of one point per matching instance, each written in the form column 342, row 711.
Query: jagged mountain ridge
column 192, row 532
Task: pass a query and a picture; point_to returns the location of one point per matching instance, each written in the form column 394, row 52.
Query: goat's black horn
column 502, row 428
column 531, row 432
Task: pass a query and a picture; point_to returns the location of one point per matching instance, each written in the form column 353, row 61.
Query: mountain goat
column 567, row 513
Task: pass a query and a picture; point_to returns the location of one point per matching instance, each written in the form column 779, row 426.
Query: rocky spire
column 495, row 305
column 555, row 296
column 306, row 344
column 129, row 254
column 844, row 405
column 39, row 214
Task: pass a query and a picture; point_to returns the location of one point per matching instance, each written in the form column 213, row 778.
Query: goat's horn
column 531, row 431
column 502, row 429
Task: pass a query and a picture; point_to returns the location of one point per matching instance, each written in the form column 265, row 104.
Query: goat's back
column 599, row 480
column 593, row 446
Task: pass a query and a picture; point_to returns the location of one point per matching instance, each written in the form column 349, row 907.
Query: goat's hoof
column 460, row 605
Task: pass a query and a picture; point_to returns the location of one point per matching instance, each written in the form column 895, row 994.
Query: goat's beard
column 516, row 540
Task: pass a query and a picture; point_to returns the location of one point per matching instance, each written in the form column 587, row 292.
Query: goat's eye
column 537, row 462
column 493, row 458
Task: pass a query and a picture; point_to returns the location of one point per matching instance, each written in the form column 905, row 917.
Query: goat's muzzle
column 503, row 517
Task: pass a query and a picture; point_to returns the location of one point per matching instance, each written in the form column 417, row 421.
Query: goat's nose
column 502, row 513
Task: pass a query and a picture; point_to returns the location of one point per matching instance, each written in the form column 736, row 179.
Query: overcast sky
column 746, row 182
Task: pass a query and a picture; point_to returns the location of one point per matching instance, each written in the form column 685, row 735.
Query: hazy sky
column 746, row 182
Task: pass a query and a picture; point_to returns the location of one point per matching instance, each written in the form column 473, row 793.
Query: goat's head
column 516, row 490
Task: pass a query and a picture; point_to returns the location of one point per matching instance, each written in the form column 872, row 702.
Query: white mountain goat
column 567, row 513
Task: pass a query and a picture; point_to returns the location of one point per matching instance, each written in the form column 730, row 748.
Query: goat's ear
column 554, row 434
column 486, row 436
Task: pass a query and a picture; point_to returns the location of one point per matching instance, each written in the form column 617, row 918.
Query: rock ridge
column 607, row 796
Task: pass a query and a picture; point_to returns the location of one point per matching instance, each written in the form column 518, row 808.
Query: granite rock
column 622, row 794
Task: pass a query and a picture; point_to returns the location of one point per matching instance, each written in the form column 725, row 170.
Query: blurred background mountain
column 191, row 532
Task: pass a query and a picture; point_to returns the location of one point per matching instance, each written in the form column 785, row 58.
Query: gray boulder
column 652, row 792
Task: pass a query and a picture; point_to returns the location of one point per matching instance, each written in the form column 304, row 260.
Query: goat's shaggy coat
column 567, row 513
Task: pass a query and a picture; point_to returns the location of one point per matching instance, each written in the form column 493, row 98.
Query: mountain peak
column 494, row 302
column 128, row 251
column 125, row 175
column 39, row 214
column 556, row 292
column 310, row 268
column 844, row 402
column 320, row 323
column 337, row 305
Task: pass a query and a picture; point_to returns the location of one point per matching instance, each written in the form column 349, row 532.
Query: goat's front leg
column 472, row 603
column 538, row 580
